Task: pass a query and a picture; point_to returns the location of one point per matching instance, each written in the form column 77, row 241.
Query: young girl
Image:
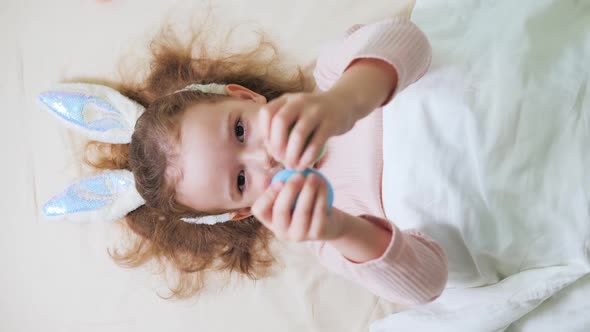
column 206, row 148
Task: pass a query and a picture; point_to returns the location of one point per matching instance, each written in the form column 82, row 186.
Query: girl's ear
column 241, row 214
column 238, row 91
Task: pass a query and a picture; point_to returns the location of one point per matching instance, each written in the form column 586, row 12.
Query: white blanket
column 489, row 153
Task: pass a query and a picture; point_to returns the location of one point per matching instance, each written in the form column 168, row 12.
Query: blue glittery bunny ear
column 108, row 196
column 96, row 111
column 103, row 114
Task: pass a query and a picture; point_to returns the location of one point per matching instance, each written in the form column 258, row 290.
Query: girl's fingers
column 267, row 112
column 281, row 213
column 313, row 149
column 303, row 213
column 279, row 128
column 297, row 140
column 318, row 226
column 263, row 206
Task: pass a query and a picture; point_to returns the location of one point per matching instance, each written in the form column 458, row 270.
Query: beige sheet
column 58, row 277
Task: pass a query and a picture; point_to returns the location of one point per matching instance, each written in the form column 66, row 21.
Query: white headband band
column 214, row 88
column 103, row 114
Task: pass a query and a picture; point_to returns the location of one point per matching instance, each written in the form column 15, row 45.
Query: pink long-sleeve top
column 413, row 269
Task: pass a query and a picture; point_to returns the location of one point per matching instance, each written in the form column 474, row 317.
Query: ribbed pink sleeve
column 396, row 41
column 413, row 269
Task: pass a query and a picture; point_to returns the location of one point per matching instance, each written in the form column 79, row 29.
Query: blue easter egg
column 285, row 174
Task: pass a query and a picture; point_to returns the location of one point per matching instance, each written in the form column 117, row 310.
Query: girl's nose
column 261, row 157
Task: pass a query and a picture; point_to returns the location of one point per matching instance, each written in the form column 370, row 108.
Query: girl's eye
column 240, row 130
column 241, row 181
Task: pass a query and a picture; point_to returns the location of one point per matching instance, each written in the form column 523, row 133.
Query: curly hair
column 156, row 231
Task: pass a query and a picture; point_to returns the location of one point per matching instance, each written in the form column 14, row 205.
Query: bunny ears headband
column 103, row 114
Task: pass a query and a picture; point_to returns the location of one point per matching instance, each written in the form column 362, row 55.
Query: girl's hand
column 309, row 220
column 314, row 117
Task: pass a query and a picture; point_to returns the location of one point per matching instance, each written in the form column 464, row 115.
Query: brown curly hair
column 157, row 233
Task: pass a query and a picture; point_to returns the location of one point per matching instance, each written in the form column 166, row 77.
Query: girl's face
column 223, row 164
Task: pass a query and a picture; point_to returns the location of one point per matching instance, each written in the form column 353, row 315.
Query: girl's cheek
column 260, row 181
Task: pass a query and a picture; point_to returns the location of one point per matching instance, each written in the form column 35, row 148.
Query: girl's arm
column 360, row 240
column 354, row 76
column 366, row 84
column 404, row 267
column 373, row 62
